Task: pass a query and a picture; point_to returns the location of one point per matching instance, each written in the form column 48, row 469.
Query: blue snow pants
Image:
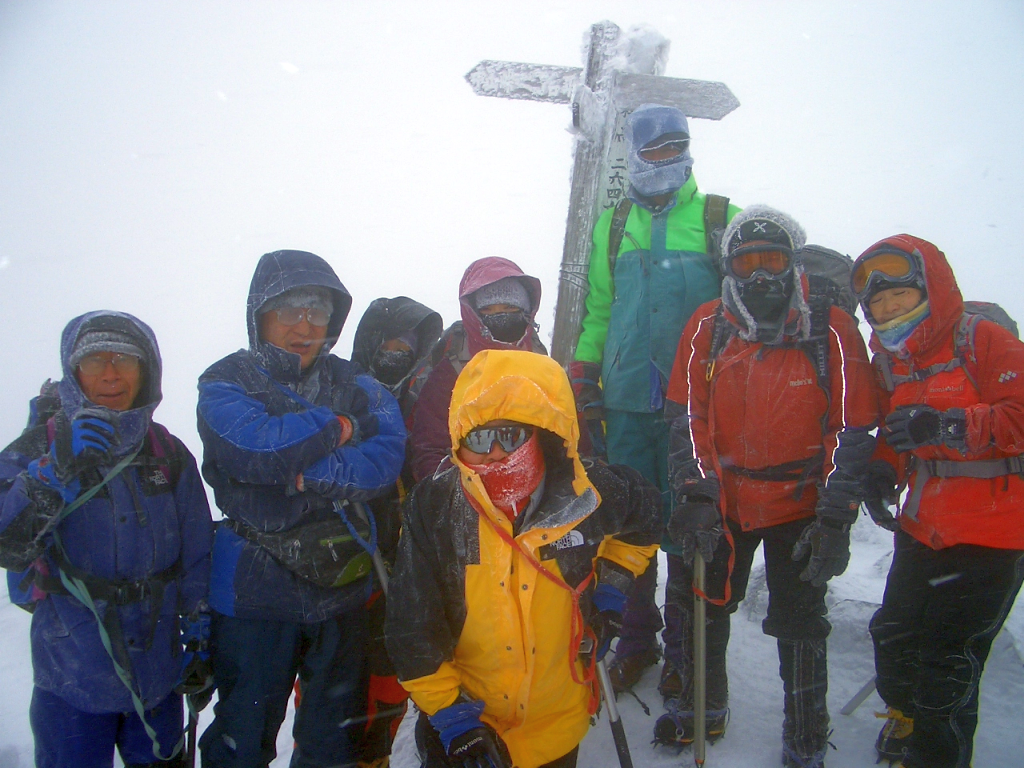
column 640, row 441
column 66, row 737
column 254, row 666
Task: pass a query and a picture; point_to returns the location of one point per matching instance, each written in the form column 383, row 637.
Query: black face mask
column 766, row 300
column 390, row 367
column 508, row 327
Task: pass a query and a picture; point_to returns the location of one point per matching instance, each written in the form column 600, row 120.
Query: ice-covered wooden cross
column 622, row 72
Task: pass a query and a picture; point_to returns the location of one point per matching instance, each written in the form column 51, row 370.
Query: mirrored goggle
column 888, row 266
column 743, row 264
column 481, row 439
column 293, row 316
column 94, row 365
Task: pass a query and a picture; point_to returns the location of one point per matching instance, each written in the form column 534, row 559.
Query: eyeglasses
column 888, row 265
column 293, row 316
column 94, row 365
column 744, row 263
column 509, row 437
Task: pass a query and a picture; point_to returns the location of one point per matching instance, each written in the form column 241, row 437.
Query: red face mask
column 510, row 482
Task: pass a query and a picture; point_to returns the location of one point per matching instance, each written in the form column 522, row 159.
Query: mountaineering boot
column 675, row 728
column 626, row 672
column 892, row 739
column 803, row 666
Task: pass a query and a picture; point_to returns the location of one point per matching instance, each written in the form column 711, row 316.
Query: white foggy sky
column 150, row 152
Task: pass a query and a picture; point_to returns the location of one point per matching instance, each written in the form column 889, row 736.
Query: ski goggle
column 743, row 264
column 509, row 437
column 293, row 316
column 887, row 266
column 94, row 365
column 665, row 151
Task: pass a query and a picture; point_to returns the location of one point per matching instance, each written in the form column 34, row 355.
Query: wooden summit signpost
column 621, row 73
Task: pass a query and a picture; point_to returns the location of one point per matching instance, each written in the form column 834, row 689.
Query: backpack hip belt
column 981, row 469
column 801, row 470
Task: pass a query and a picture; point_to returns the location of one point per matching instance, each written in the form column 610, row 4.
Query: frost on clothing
column 961, row 510
column 634, row 317
column 132, row 530
column 467, row 611
column 263, row 421
column 759, row 406
column 429, row 439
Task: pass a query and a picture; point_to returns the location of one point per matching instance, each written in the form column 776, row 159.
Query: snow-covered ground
column 151, row 151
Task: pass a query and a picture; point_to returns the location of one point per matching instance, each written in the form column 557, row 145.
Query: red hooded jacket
column 429, row 438
column 760, row 406
column 960, row 510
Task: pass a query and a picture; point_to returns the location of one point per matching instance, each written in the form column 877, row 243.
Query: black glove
column 82, row 443
column 912, row 426
column 839, row 501
column 828, row 541
column 879, row 493
column 696, row 522
column 467, row 740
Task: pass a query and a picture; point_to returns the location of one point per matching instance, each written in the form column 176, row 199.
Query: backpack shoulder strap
column 617, row 231
column 716, row 214
column 164, row 445
column 721, row 332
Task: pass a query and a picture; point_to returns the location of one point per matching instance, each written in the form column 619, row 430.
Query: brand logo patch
column 570, row 540
column 1007, row 376
column 801, row 382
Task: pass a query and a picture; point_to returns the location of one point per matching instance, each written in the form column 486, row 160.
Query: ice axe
column 700, row 672
column 375, row 556
column 618, row 732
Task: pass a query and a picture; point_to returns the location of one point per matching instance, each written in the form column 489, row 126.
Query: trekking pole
column 618, row 732
column 859, row 697
column 700, row 673
column 190, row 737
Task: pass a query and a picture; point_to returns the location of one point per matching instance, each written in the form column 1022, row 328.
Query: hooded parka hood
column 518, row 386
column 387, row 319
column 945, row 302
column 484, row 272
column 277, row 273
column 132, row 424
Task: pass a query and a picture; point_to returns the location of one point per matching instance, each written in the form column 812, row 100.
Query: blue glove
column 82, row 443
column 467, row 740
column 609, row 602
column 196, row 668
column 44, row 470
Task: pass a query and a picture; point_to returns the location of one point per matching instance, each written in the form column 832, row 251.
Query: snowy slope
column 151, row 151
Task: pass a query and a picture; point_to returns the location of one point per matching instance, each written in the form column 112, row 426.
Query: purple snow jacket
column 136, row 527
column 429, row 438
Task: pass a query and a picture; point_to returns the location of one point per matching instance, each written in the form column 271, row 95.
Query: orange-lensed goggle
column 888, row 266
column 745, row 263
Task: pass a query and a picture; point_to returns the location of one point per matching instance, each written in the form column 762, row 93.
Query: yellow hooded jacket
column 469, row 613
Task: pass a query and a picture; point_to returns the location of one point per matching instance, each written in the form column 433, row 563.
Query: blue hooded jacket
column 263, row 421
column 136, row 527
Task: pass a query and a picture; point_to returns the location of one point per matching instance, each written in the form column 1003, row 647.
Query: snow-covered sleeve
column 998, row 420
column 196, row 532
column 853, row 402
column 253, row 446
column 686, row 408
column 360, row 470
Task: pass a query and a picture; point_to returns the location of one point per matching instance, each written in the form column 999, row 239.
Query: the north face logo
column 158, row 478
column 570, row 540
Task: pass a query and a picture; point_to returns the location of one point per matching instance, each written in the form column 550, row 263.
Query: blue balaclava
column 648, row 126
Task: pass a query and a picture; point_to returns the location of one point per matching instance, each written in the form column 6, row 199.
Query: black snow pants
column 795, row 616
column 941, row 610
